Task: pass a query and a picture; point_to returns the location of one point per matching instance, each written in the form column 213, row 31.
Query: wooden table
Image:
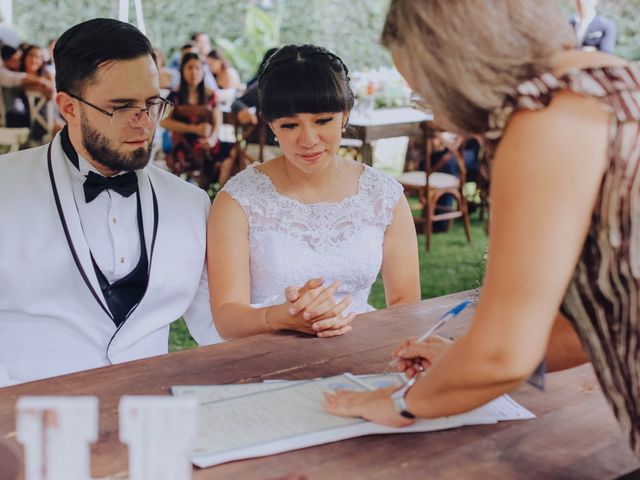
column 574, row 436
column 385, row 123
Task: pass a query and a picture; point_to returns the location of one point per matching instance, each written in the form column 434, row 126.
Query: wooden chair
column 351, row 148
column 243, row 132
column 42, row 118
column 11, row 139
column 431, row 186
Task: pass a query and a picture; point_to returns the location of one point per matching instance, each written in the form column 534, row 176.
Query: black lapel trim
column 143, row 243
column 156, row 221
column 67, row 147
column 68, row 235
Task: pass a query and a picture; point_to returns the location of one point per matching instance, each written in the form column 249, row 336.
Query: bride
column 295, row 243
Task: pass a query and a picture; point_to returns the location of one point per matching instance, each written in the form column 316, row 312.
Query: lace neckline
column 292, row 201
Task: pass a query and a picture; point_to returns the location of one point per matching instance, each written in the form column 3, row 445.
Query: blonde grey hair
column 466, row 57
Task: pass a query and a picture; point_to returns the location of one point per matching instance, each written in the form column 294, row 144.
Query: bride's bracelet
column 266, row 318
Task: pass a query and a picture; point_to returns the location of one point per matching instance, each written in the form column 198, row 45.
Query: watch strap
column 399, row 401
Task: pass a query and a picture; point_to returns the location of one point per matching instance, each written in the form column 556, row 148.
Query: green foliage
column 244, row 29
column 179, row 337
column 351, row 29
column 261, row 32
column 625, row 14
column 40, row 21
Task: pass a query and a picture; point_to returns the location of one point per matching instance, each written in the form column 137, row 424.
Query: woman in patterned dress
column 197, row 148
column 562, row 131
column 295, row 243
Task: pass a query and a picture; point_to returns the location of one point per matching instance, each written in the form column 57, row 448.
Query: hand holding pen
column 414, row 356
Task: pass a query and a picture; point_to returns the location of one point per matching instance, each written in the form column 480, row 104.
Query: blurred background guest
column 32, row 62
column 202, row 43
column 169, row 77
column 195, row 123
column 226, row 76
column 594, row 31
column 176, row 59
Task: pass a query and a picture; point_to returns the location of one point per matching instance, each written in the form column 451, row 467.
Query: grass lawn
column 452, row 265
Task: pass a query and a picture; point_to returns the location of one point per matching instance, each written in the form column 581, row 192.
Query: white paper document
column 252, row 420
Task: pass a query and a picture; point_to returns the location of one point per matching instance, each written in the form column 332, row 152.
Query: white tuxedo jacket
column 53, row 315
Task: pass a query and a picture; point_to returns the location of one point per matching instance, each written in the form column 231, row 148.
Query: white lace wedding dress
column 291, row 242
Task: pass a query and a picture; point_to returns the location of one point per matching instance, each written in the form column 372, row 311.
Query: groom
column 99, row 251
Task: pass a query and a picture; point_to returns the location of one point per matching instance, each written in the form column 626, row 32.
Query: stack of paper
column 251, row 420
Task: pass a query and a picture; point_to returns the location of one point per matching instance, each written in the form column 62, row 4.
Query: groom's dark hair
column 84, row 47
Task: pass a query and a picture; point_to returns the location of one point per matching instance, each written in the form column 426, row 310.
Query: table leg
column 367, row 153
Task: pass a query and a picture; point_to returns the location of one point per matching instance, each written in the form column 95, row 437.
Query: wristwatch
column 398, row 398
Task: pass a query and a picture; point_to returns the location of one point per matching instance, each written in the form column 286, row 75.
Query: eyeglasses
column 156, row 110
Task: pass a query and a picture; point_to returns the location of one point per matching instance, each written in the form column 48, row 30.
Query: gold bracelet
column 266, row 318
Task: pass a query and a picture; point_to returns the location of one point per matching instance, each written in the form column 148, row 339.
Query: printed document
column 250, row 420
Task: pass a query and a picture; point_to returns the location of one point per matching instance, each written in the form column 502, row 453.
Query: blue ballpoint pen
column 443, row 319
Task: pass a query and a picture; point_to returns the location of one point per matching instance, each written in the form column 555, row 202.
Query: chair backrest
column 453, row 143
column 13, row 138
column 3, row 110
column 242, row 134
column 42, row 117
column 195, row 113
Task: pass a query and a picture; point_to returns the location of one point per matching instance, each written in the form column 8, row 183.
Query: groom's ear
column 68, row 107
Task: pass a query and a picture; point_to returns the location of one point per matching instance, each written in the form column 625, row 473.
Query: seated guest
column 32, row 62
column 100, row 250
column 202, row 44
column 196, row 146
column 16, row 110
column 176, row 60
column 561, row 129
column 295, row 243
column 13, row 81
column 226, row 76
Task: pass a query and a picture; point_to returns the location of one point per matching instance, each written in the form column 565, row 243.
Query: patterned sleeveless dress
column 603, row 297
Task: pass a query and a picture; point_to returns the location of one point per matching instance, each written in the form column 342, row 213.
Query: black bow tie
column 95, row 184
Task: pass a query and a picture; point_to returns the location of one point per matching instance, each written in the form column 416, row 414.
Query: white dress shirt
column 109, row 223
